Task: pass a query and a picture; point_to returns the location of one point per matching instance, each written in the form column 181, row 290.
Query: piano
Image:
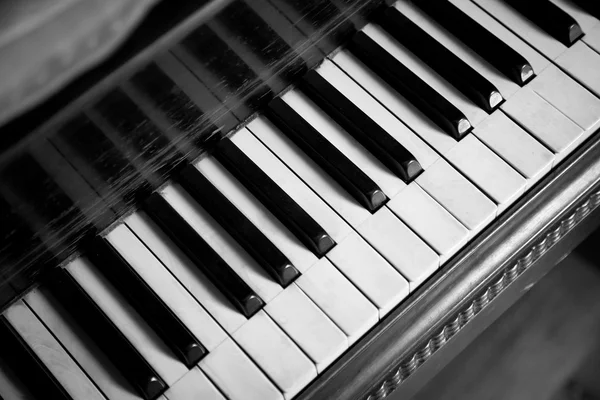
column 284, row 199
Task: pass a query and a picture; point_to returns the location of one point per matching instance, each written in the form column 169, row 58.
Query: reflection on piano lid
column 243, row 267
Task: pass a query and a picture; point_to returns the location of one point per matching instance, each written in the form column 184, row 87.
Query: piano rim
column 439, row 319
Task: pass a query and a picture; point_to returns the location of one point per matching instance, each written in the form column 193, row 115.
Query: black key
column 27, row 367
column 306, row 229
column 326, row 155
column 203, row 256
column 591, row 6
column 147, row 303
column 449, row 66
column 548, row 16
column 366, row 131
column 409, row 85
column 270, row 258
column 479, row 39
column 105, row 334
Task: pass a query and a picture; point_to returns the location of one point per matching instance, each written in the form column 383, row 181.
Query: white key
column 583, row 64
column 515, row 146
column 135, row 329
column 459, row 196
column 220, row 241
column 369, row 272
column 592, row 38
column 377, row 112
column 307, row 170
column 343, row 141
column 400, row 247
column 339, row 299
column 189, row 312
column 51, row 353
column 236, row 375
column 429, row 220
column 294, row 187
column 543, row 121
column 506, row 86
column 194, row 385
column 433, row 135
column 537, row 61
column 473, row 113
column 267, row 223
column 275, row 354
column 307, row 326
column 83, row 350
column 586, row 21
column 486, row 170
column 523, row 27
column 11, row 388
column 186, row 272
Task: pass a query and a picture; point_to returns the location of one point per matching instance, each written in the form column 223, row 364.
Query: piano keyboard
column 257, row 266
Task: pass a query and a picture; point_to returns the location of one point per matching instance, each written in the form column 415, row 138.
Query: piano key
column 58, row 362
column 590, row 6
column 471, row 112
column 372, row 136
column 99, row 327
column 577, row 9
column 194, row 385
column 139, row 294
column 543, row 121
column 172, row 294
column 342, row 81
column 275, row 353
column 488, row 171
column 267, row 223
column 346, row 144
column 414, row 259
column 333, row 161
column 408, row 28
column 339, row 299
column 132, row 326
column 164, row 214
column 458, row 196
column 236, row 375
column 18, row 357
column 523, row 27
column 592, row 38
column 583, row 64
column 246, row 270
column 262, row 186
column 519, row 149
column 12, row 387
column 488, row 46
column 71, row 335
column 404, row 80
column 429, row 220
column 305, row 324
column 186, row 272
column 550, row 18
column 238, row 225
column 370, row 273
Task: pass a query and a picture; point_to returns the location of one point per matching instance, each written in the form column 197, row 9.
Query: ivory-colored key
column 592, row 38
column 369, row 272
column 583, row 64
column 307, row 326
column 193, row 386
column 458, row 196
column 339, row 299
column 236, row 375
column 429, row 220
column 517, row 147
column 51, row 353
column 275, row 353
column 400, row 246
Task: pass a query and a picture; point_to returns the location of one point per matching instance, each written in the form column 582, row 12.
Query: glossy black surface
column 449, row 66
column 203, row 256
column 28, row 368
column 409, row 85
column 277, row 201
column 326, row 155
column 146, row 302
column 479, row 39
column 268, row 256
column 551, row 18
